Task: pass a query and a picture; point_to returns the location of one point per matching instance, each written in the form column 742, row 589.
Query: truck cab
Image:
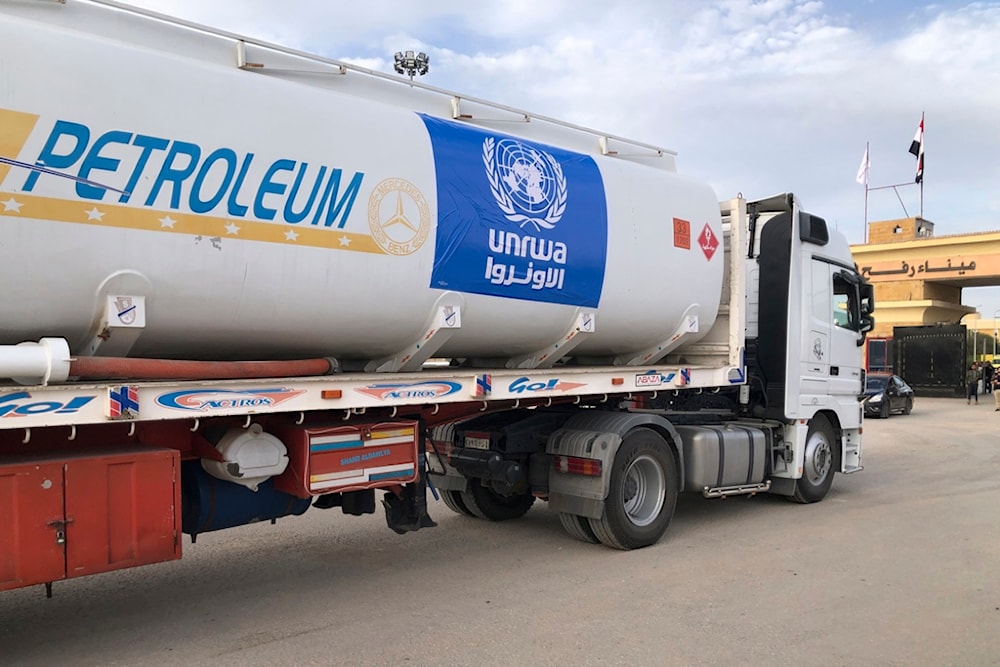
column 809, row 311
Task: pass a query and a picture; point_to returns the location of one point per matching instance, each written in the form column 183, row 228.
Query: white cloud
column 758, row 95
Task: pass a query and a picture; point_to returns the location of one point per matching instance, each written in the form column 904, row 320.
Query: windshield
column 876, row 383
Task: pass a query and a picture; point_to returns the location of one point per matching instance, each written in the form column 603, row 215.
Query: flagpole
column 922, row 166
column 867, row 178
column 917, row 150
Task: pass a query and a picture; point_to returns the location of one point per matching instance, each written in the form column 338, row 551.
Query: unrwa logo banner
column 517, row 218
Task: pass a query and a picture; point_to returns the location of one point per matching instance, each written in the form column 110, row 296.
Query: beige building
column 919, row 277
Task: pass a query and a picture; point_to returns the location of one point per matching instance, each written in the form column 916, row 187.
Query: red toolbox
column 70, row 514
column 334, row 459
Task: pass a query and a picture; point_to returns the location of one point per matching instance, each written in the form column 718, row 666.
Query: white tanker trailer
column 188, row 213
column 257, row 217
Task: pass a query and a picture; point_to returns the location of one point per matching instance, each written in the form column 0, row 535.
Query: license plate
column 477, row 443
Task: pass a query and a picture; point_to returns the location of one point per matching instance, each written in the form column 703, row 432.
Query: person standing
column 988, row 373
column 972, row 383
column 996, row 391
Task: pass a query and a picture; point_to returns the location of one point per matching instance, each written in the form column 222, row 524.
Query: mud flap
column 407, row 511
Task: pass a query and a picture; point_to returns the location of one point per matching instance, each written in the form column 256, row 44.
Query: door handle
column 60, row 527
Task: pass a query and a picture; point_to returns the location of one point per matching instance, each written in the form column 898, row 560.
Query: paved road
column 900, row 565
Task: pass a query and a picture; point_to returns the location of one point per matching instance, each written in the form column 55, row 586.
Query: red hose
column 167, row 369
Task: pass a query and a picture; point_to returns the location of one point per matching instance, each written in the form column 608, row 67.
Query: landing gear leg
column 407, row 511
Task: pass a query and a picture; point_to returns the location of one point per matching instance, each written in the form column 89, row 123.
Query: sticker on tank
column 128, row 179
column 517, row 218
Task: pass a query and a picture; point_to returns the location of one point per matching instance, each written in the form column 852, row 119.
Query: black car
column 886, row 393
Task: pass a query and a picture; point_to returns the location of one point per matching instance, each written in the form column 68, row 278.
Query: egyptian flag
column 917, row 148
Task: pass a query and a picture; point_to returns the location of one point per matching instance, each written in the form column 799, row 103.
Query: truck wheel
column 485, row 503
column 884, row 414
column 642, row 495
column 578, row 527
column 453, row 501
column 817, row 469
column 909, row 406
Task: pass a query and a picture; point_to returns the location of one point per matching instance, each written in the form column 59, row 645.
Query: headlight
column 877, row 398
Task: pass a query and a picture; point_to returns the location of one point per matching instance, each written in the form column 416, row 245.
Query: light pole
column 995, row 333
column 406, row 62
column 975, row 330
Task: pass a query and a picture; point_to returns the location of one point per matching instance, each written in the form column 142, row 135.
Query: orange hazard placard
column 682, row 234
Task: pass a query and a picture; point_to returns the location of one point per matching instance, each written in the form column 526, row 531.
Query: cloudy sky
column 757, row 97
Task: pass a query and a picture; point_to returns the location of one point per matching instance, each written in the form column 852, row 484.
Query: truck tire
column 578, row 527
column 817, row 468
column 453, row 501
column 485, row 503
column 642, row 495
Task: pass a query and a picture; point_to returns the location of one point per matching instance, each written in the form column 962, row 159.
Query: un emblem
column 528, row 184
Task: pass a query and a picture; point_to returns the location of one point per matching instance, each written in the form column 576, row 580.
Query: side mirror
column 866, row 303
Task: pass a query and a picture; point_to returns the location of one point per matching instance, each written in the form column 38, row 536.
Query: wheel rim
column 643, row 490
column 819, row 458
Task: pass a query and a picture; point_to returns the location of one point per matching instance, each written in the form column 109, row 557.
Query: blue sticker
column 517, row 218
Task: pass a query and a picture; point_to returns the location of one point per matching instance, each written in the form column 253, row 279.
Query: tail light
column 578, row 466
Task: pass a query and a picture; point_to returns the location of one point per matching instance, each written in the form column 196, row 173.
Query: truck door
column 816, row 337
column 830, row 360
column 846, row 333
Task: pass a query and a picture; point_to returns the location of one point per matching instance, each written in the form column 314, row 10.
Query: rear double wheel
column 578, row 527
column 483, row 502
column 453, row 501
column 642, row 495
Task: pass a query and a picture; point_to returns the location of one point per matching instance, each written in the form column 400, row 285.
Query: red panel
column 333, row 459
column 123, row 510
column 31, row 496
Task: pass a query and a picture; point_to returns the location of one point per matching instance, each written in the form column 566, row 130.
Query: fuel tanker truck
column 241, row 282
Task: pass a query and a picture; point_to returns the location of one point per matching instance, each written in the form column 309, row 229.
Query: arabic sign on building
column 946, row 267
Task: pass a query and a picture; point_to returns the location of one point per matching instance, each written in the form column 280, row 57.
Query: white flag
column 862, row 176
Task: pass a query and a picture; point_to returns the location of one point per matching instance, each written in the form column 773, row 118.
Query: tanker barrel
column 31, row 363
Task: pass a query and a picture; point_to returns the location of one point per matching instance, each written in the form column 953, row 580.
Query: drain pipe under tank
column 49, row 361
column 31, row 363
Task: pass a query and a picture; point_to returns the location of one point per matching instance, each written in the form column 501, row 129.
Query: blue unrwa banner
column 516, row 218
